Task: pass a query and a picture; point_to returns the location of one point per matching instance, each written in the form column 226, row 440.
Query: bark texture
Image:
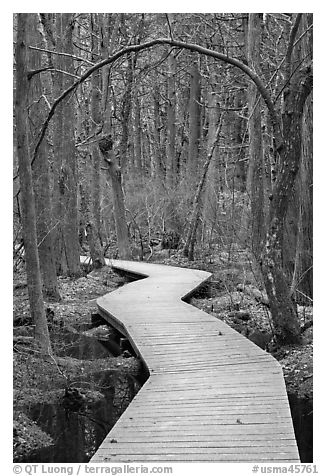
column 114, row 171
column 194, row 122
column 41, row 172
column 171, row 168
column 190, row 240
column 255, row 177
column 283, row 306
column 67, row 248
column 28, row 216
column 93, row 184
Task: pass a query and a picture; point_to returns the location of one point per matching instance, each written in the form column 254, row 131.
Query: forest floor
column 233, row 294
column 78, row 357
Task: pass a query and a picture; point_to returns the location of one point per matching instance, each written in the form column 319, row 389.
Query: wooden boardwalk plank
column 212, row 394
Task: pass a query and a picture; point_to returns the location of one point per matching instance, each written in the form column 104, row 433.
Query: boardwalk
column 212, row 395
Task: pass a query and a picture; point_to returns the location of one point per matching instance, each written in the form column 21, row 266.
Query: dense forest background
column 139, row 133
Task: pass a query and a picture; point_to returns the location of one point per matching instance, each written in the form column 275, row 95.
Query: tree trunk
column 114, row 172
column 256, row 157
column 304, row 282
column 189, row 246
column 41, row 175
column 125, row 115
column 210, row 197
column 171, row 120
column 67, row 248
column 299, row 260
column 110, row 23
column 93, row 188
column 28, row 216
column 298, row 238
column 283, row 307
column 90, row 228
column 158, row 165
column 138, row 138
column 194, row 123
column 239, row 130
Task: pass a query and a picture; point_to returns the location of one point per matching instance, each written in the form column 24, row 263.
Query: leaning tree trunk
column 283, row 307
column 114, row 172
column 188, row 249
column 28, row 216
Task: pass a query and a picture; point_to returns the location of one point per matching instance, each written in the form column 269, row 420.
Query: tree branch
column 293, row 33
column 33, row 72
column 169, row 25
column 302, row 35
column 60, row 53
column 178, row 44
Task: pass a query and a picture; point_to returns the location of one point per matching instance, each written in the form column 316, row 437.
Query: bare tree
column 188, row 249
column 67, row 248
column 171, row 168
column 41, row 170
column 286, row 128
column 255, row 175
column 194, row 121
column 28, row 216
column 114, row 172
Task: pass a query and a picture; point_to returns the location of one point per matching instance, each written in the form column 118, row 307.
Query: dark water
column 302, row 416
column 79, row 428
column 79, row 346
column 77, row 432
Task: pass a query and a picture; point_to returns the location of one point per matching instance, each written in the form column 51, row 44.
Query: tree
column 157, row 137
column 41, row 171
column 255, row 174
column 67, row 250
column 126, row 104
column 296, row 89
column 188, row 249
column 137, row 133
column 28, row 216
column 285, row 126
column 171, row 168
column 92, row 182
column 114, row 172
column 298, row 244
column 194, row 121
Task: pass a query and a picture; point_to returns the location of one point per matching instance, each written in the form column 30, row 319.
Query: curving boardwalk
column 212, row 394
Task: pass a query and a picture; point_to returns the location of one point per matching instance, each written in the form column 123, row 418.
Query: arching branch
column 178, row 44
